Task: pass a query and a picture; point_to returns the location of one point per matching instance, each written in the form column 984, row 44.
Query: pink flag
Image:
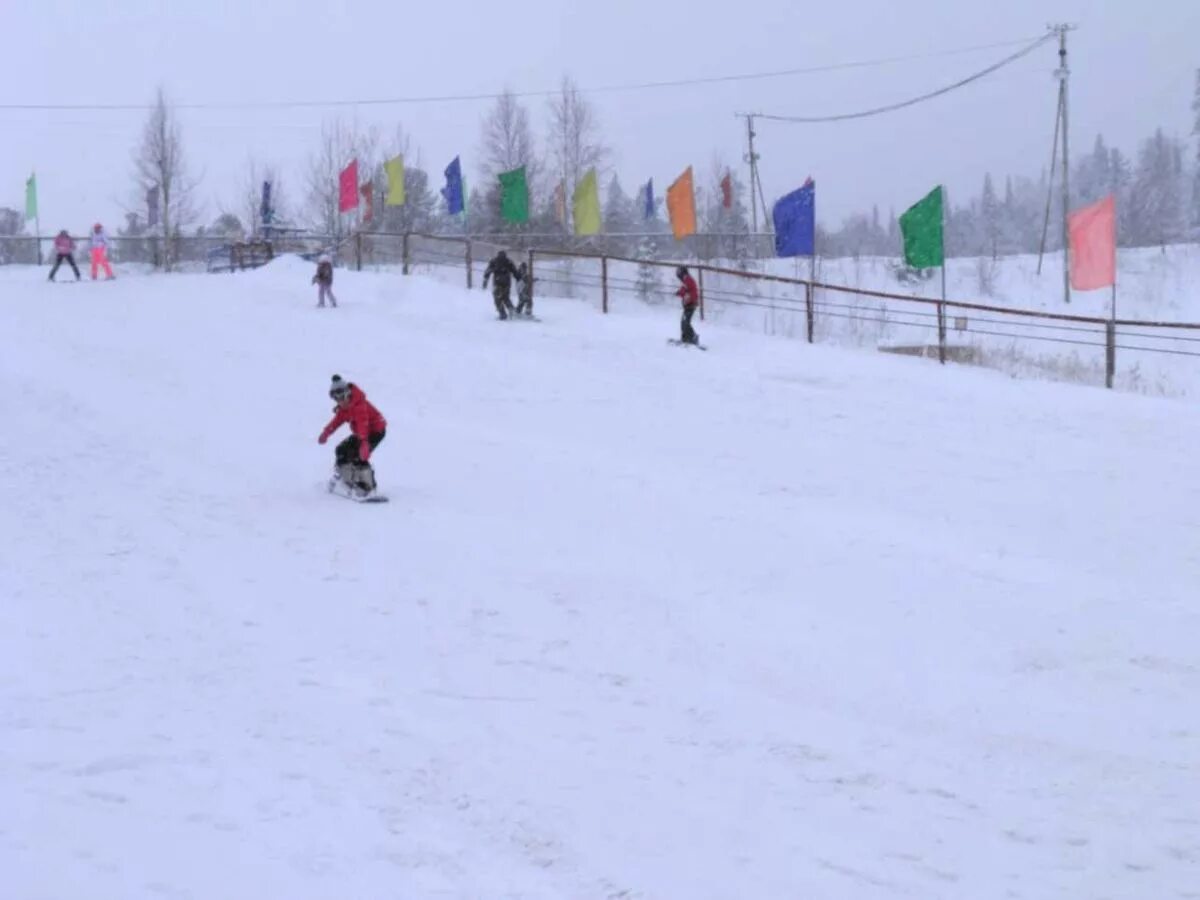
column 1093, row 232
column 727, row 191
column 348, row 187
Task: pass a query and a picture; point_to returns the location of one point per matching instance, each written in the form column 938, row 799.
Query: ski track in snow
column 770, row 621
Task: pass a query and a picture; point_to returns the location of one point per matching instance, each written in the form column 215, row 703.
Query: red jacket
column 364, row 419
column 688, row 292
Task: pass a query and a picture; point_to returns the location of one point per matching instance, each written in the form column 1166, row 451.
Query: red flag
column 368, row 195
column 1093, row 233
column 348, row 187
column 727, row 190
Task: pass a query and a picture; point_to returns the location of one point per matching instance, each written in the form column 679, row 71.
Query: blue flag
column 265, row 212
column 453, row 191
column 796, row 221
column 648, row 209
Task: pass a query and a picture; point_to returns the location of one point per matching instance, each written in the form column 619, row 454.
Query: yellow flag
column 586, row 205
column 395, row 177
column 681, row 204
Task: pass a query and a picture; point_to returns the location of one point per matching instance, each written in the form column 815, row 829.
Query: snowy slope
column 774, row 621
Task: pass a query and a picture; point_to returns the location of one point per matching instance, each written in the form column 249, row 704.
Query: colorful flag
column 152, row 204
column 368, row 196
column 453, row 191
column 795, row 217
column 395, row 177
column 1093, row 236
column 648, row 200
column 586, row 205
column 560, row 202
column 681, row 204
column 265, row 212
column 924, row 246
column 727, row 191
column 31, row 204
column 514, row 196
column 348, row 187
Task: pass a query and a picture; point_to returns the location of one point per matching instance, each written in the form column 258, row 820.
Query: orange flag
column 681, row 204
column 1093, row 234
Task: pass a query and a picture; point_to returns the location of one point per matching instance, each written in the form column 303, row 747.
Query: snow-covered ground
column 771, row 621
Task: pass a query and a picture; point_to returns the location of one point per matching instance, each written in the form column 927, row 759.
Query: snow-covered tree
column 620, row 218
column 990, row 219
column 1196, row 170
column 1158, row 213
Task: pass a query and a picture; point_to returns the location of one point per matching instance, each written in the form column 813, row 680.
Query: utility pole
column 1064, row 76
column 752, row 158
column 756, row 189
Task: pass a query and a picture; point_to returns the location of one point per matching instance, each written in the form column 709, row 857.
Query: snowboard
column 678, row 343
column 341, row 489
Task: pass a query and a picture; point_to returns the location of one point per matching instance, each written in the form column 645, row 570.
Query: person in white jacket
column 99, row 247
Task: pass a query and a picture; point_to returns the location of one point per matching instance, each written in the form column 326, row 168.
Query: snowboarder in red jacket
column 367, row 428
column 690, row 295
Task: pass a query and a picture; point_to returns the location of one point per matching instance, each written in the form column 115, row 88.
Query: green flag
column 31, row 210
column 924, row 247
column 514, row 196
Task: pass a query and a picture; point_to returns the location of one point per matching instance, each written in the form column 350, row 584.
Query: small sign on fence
column 960, row 323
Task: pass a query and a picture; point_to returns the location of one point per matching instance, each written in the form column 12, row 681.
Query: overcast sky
column 1133, row 65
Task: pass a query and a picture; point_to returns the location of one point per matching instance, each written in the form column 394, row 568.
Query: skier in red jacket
column 367, row 428
column 690, row 295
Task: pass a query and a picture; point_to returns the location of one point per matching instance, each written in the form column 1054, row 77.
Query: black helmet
column 502, row 255
column 681, row 272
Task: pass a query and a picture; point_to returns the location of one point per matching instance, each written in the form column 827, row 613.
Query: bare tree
column 575, row 139
column 159, row 162
column 507, row 143
column 341, row 142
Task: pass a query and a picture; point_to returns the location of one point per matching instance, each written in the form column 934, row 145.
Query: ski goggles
column 339, row 393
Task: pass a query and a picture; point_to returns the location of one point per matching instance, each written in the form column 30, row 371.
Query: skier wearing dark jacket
column 324, row 278
column 501, row 269
column 367, row 429
column 689, row 294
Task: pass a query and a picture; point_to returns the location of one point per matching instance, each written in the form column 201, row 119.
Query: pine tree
column 648, row 284
column 620, row 218
column 990, row 218
column 1120, row 177
column 1158, row 208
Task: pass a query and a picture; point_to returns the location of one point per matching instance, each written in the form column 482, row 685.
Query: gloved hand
column 364, row 451
column 323, row 438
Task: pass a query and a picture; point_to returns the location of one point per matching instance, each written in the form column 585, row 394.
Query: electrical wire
column 893, row 107
column 461, row 98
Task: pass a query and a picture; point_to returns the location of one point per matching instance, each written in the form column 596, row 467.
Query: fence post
column 941, row 320
column 604, row 283
column 1110, row 353
column 701, row 286
column 358, row 251
column 808, row 309
column 470, row 276
column 529, row 274
column 404, row 250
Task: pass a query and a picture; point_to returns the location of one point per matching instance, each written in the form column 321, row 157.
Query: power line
column 461, row 98
column 893, row 107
